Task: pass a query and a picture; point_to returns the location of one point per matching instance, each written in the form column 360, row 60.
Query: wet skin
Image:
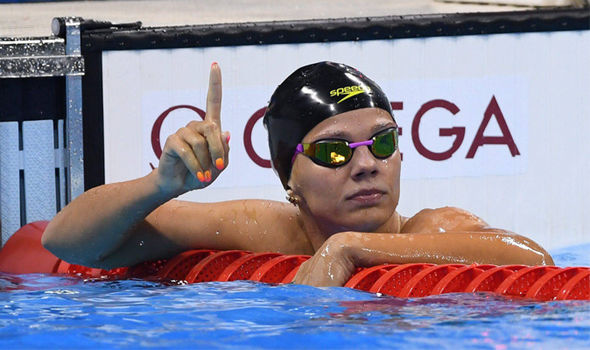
column 346, row 217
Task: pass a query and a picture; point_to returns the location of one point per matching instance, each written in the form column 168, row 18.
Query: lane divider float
column 23, row 253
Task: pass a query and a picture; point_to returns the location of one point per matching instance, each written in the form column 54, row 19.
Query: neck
column 317, row 232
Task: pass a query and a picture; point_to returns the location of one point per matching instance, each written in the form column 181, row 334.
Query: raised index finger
column 214, row 95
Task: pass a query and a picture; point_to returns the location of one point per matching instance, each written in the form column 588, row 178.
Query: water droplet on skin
column 217, row 232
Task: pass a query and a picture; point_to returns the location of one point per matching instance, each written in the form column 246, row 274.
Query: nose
column 363, row 163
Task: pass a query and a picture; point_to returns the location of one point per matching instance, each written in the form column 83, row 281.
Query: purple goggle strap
column 299, row 148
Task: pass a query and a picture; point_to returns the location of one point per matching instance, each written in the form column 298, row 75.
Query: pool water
column 37, row 311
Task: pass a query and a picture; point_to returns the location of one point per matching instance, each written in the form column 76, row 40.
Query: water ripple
column 36, row 310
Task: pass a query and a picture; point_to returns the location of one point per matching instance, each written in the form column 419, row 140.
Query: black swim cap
column 310, row 95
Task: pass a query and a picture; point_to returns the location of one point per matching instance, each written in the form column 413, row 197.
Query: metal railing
column 41, row 155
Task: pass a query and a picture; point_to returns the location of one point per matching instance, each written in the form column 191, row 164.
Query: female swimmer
column 333, row 143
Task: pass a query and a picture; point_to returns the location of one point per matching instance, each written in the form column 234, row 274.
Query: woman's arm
column 117, row 225
column 125, row 223
column 101, row 220
column 334, row 263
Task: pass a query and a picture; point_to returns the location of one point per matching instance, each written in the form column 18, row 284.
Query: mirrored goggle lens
column 332, row 153
column 384, row 144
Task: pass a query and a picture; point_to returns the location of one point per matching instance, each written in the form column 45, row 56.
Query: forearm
column 443, row 248
column 99, row 221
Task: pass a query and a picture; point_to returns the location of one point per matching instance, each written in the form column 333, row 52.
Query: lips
column 366, row 196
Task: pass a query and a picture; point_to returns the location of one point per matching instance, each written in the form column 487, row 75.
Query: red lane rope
column 23, row 253
column 457, row 281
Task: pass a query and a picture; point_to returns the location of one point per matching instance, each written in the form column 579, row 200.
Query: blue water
column 37, row 311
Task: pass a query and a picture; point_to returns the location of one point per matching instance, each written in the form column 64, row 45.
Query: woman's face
column 359, row 196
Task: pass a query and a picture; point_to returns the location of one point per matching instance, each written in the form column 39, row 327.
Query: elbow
column 52, row 242
column 540, row 257
column 45, row 242
column 48, row 240
column 63, row 248
column 526, row 251
column 546, row 259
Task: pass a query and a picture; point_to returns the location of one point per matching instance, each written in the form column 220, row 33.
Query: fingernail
column 213, row 64
column 227, row 138
column 200, row 176
column 208, row 176
column 219, row 163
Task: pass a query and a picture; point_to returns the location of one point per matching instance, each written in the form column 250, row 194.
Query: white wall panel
column 39, row 169
column 9, row 179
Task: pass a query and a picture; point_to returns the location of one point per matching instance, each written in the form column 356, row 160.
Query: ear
column 293, row 188
column 290, row 186
column 293, row 198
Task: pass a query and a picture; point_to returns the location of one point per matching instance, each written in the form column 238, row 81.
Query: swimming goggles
column 334, row 153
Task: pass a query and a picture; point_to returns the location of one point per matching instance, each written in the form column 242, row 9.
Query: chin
column 366, row 222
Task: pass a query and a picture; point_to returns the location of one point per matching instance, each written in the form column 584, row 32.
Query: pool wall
column 510, row 89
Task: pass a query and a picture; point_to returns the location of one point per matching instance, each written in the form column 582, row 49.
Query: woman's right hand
column 196, row 154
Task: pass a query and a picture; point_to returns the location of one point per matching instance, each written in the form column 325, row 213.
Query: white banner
column 490, row 123
column 447, row 129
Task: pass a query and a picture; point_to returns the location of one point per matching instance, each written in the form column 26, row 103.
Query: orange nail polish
column 219, row 163
column 200, row 176
column 208, row 176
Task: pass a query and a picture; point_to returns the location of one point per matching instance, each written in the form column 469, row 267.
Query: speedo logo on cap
column 348, row 92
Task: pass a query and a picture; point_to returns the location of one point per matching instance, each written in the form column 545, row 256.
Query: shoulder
column 445, row 219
